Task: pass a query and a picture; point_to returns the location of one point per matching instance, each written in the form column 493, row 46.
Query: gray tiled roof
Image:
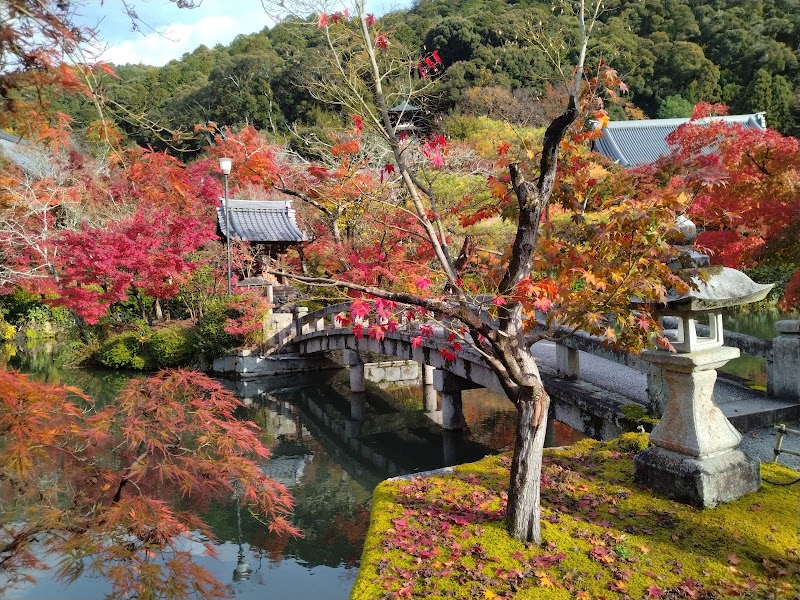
column 261, row 221
column 632, row 143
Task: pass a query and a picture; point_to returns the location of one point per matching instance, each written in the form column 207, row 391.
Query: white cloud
column 159, row 48
column 178, row 31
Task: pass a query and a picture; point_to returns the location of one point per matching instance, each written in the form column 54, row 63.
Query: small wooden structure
column 269, row 225
column 407, row 118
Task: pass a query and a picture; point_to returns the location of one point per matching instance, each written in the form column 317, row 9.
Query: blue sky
column 177, row 31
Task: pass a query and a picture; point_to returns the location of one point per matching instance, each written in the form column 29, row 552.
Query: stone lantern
column 694, row 456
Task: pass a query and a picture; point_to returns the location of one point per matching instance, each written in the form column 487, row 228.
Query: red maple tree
column 746, row 189
column 100, row 486
column 145, row 254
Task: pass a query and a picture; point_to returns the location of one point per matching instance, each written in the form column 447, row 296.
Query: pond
column 760, row 324
column 330, row 463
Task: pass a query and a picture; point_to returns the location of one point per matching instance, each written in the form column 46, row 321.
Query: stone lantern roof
column 716, row 288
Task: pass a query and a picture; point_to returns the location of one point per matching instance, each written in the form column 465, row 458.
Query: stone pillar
column 694, row 457
column 358, row 405
column 784, row 382
column 299, row 313
column 568, row 363
column 270, row 294
column 429, row 400
column 452, row 447
column 357, row 380
column 449, row 387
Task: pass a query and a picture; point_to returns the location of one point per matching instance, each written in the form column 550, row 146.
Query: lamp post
column 225, row 167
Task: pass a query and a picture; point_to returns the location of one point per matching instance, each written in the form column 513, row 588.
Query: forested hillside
column 670, row 53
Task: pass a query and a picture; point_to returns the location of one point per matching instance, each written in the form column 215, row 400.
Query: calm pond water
column 330, row 462
column 759, row 324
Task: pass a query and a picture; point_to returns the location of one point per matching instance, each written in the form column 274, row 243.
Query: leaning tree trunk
column 524, row 499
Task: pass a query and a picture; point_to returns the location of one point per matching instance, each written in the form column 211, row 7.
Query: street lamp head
column 225, row 165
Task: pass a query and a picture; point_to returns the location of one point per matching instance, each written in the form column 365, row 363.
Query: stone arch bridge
column 588, row 384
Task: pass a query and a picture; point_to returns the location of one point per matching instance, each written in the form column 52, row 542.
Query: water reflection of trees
column 44, row 362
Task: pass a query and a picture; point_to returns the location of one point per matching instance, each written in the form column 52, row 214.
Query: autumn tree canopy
column 745, row 185
column 559, row 265
column 171, row 436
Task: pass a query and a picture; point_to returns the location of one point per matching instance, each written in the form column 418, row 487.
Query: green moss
column 635, row 415
column 443, row 536
column 759, row 387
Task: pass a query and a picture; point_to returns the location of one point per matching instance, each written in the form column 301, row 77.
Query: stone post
column 785, row 380
column 299, row 313
column 449, row 387
column 694, row 458
column 357, row 380
column 429, row 399
column 270, row 294
column 358, row 404
column 452, row 447
column 568, row 363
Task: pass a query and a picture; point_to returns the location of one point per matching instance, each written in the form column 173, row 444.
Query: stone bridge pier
column 436, row 384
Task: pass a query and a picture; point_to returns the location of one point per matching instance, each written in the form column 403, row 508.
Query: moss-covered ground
column 604, row 536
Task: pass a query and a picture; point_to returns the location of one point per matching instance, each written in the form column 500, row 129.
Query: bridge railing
column 782, row 354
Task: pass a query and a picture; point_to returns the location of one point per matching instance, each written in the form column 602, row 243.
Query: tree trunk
column 140, row 303
column 522, row 515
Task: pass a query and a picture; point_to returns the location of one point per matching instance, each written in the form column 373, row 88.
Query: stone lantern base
column 694, row 457
column 702, row 482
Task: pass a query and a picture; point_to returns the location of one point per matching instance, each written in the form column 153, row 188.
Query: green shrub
column 75, row 353
column 172, row 346
column 125, row 351
column 18, row 304
column 460, row 127
column 212, row 339
column 772, row 272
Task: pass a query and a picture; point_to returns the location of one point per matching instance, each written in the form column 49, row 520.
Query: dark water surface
column 330, row 462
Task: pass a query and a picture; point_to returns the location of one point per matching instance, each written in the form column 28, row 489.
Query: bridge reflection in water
column 385, row 432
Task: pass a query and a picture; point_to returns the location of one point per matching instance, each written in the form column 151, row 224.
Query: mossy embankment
column 605, row 537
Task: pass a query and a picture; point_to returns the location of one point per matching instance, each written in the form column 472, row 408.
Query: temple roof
column 261, row 221
column 632, row 143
